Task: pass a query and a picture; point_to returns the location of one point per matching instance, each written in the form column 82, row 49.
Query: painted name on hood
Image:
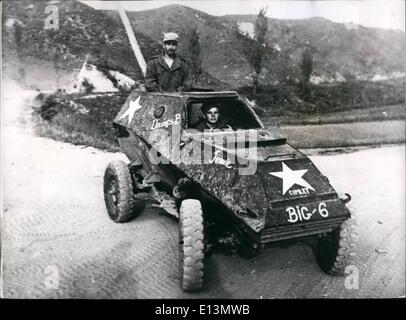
column 218, row 160
column 165, row 124
column 299, row 192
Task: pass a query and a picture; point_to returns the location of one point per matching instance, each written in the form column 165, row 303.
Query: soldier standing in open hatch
column 168, row 71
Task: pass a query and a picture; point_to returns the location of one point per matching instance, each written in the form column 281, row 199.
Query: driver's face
column 213, row 115
column 170, row 47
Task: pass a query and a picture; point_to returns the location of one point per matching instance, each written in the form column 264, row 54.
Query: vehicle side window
column 234, row 112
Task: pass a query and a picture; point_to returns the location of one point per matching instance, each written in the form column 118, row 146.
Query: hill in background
column 54, row 56
column 338, row 50
column 30, row 51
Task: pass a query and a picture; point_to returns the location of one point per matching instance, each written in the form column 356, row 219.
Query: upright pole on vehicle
column 133, row 41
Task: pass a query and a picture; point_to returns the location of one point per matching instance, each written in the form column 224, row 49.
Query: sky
column 386, row 14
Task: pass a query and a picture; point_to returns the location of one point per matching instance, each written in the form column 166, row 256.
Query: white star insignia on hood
column 133, row 106
column 291, row 177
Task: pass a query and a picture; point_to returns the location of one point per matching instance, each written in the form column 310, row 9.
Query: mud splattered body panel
column 285, row 196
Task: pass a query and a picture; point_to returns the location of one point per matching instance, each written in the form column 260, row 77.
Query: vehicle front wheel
column 118, row 193
column 191, row 245
column 333, row 250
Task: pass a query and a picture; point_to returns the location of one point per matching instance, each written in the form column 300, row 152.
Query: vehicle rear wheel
column 191, row 245
column 333, row 250
column 118, row 193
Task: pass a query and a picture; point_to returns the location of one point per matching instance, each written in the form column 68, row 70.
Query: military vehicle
column 236, row 189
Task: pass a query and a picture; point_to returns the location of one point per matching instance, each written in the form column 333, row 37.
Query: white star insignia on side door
column 133, row 106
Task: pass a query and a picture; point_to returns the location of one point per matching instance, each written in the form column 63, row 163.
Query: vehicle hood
column 282, row 176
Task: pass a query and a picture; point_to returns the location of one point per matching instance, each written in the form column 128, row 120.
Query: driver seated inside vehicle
column 212, row 118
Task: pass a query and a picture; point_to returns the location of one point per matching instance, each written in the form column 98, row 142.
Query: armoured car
column 236, row 190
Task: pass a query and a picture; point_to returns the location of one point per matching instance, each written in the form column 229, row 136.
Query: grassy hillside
column 82, row 31
column 338, row 51
column 283, row 99
column 218, row 44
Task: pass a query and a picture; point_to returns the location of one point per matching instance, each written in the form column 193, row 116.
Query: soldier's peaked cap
column 171, row 36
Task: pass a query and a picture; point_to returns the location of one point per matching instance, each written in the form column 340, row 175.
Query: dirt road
column 58, row 242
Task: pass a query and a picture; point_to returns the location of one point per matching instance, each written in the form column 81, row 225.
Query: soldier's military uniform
column 160, row 77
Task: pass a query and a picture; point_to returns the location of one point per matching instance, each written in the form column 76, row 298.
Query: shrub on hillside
column 86, row 115
column 89, row 87
column 49, row 106
column 281, row 99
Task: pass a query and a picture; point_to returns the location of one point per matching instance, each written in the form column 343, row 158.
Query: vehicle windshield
column 233, row 115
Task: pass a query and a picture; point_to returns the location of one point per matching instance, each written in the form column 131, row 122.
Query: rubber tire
column 191, row 245
column 119, row 195
column 333, row 251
